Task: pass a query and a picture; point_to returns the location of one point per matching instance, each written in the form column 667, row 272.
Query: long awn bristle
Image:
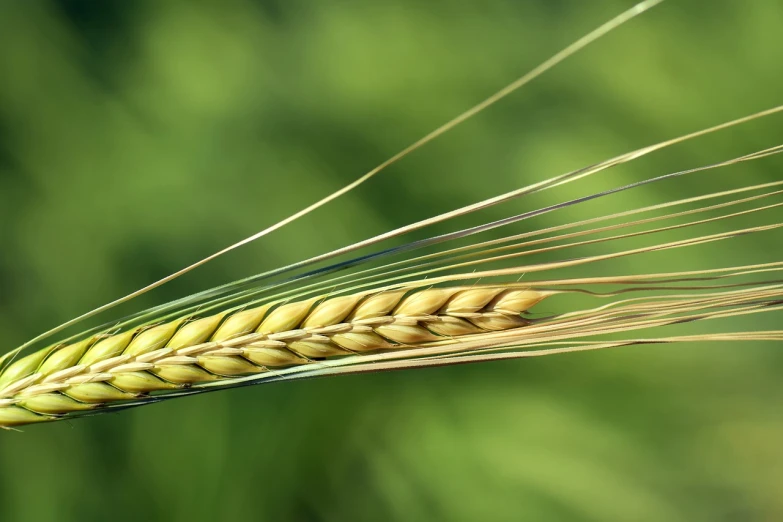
column 457, row 304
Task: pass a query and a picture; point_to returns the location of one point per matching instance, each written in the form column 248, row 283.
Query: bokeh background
column 139, row 136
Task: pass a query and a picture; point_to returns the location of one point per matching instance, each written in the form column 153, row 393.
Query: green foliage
column 137, row 137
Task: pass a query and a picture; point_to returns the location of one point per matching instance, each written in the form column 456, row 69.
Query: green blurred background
column 138, row 136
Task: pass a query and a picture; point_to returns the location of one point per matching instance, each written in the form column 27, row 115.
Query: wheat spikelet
column 108, row 368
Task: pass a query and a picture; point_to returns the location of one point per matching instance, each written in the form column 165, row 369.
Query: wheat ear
column 413, row 324
column 128, row 365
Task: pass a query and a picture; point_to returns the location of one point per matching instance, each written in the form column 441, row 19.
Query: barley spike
column 106, row 369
